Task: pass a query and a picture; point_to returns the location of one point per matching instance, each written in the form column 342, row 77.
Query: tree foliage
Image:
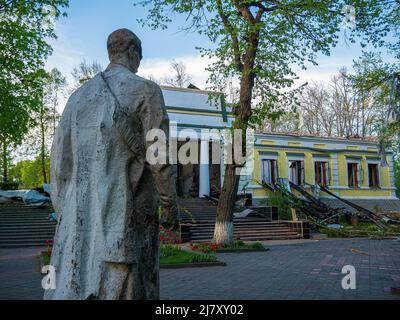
column 266, row 39
column 45, row 118
column 397, row 172
column 84, row 72
column 28, row 173
column 25, row 30
column 259, row 43
column 179, row 76
column 354, row 103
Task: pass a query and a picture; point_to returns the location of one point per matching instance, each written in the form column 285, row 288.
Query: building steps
column 24, row 226
column 252, row 228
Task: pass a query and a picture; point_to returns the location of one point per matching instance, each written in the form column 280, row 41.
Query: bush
column 397, row 176
column 29, row 173
column 196, row 258
column 257, row 245
column 169, row 236
column 167, row 250
column 209, row 247
column 9, row 186
column 278, row 200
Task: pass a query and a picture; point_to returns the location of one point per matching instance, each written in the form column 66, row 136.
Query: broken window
column 269, row 171
column 373, row 173
column 353, row 174
column 321, row 173
column 296, row 172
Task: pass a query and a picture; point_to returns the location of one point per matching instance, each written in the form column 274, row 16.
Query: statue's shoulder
column 123, row 75
column 86, row 91
column 146, row 84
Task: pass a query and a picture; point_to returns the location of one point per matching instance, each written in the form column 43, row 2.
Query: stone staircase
column 201, row 213
column 24, row 226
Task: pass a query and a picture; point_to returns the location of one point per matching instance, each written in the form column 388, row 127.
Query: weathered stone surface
column 106, row 246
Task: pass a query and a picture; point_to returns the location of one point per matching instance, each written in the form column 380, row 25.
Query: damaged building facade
column 349, row 168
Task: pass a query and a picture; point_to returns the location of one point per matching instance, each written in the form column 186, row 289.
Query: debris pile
column 28, row 197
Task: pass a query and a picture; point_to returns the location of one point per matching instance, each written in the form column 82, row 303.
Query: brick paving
column 309, row 270
column 19, row 274
column 305, row 270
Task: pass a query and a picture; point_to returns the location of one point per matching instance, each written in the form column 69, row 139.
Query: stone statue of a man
column 106, row 193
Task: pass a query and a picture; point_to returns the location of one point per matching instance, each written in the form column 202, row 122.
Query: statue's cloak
column 102, row 187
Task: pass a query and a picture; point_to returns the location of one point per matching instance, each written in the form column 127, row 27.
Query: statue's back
column 101, row 198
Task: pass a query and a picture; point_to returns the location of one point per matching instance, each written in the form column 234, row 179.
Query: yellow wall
column 309, row 168
column 365, row 191
column 283, row 165
column 342, row 166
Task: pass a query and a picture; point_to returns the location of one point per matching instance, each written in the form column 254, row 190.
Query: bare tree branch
column 234, row 36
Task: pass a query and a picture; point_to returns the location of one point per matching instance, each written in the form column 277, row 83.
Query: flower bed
column 237, row 246
column 171, row 254
column 46, row 255
column 169, row 236
column 174, row 257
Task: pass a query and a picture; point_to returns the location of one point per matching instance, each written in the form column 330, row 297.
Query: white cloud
column 65, row 54
column 160, row 68
column 323, row 72
column 66, row 57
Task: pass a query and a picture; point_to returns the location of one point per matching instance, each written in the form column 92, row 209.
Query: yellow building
column 350, row 169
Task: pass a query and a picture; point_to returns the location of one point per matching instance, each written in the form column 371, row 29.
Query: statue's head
column 125, row 48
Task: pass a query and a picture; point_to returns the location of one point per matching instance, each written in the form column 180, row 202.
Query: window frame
column 326, row 172
column 274, row 173
column 358, row 171
column 378, row 174
column 302, row 176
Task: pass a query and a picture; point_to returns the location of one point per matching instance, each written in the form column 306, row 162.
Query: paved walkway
column 19, row 274
column 309, row 270
column 305, row 270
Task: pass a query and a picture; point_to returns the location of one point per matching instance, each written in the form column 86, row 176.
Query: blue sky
column 83, row 34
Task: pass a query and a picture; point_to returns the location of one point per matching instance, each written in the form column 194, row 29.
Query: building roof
column 182, row 105
column 191, row 90
column 368, row 140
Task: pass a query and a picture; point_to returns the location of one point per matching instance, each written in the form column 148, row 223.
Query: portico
column 204, row 177
column 349, row 167
column 191, row 112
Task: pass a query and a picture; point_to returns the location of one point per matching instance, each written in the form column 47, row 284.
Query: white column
column 222, row 165
column 204, row 185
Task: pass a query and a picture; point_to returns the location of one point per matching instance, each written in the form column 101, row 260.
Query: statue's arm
column 163, row 174
column 61, row 164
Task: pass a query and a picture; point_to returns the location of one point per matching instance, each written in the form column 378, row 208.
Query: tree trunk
column 5, row 162
column 223, row 232
column 43, row 153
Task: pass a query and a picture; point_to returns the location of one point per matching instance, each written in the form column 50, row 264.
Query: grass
column 362, row 229
column 46, row 259
column 184, row 257
column 170, row 254
column 237, row 246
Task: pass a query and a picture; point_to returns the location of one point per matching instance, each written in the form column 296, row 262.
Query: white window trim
column 329, row 168
column 291, row 159
column 266, row 158
column 377, row 162
column 295, row 159
column 347, row 172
